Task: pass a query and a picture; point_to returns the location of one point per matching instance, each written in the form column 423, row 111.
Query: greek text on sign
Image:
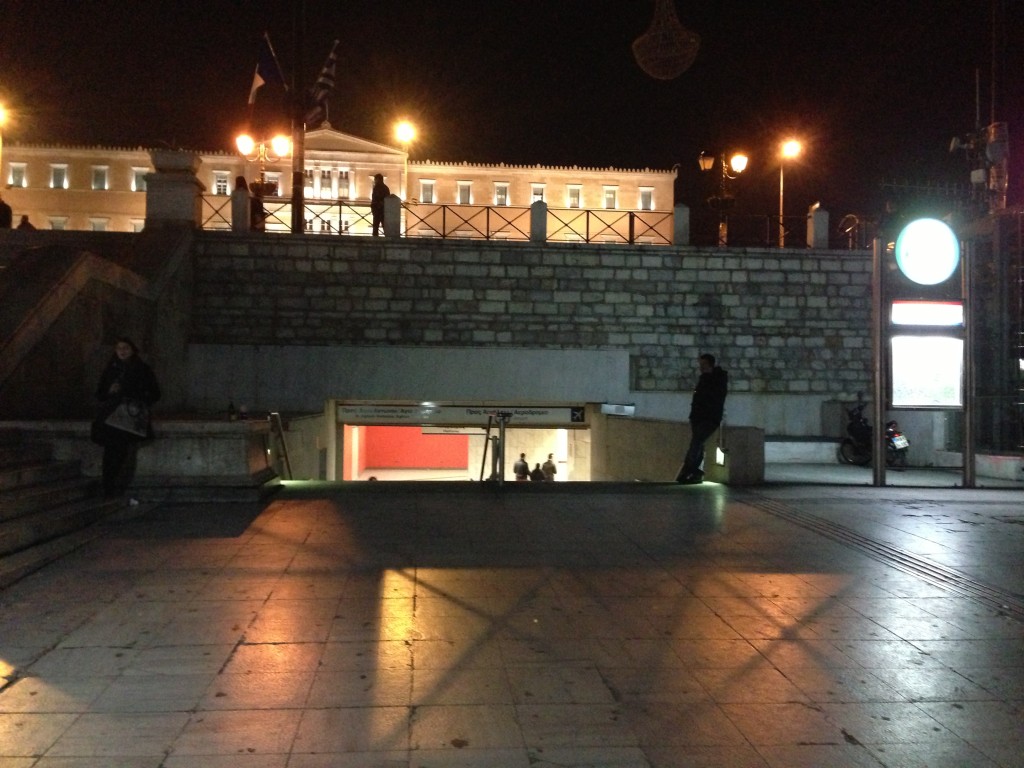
column 461, row 415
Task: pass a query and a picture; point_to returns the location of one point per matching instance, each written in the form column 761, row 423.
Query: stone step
column 38, row 473
column 9, row 435
column 87, row 527
column 36, row 528
column 19, row 453
column 28, row 499
column 47, row 507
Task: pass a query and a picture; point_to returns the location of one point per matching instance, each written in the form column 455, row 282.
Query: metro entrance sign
column 926, row 318
column 424, row 414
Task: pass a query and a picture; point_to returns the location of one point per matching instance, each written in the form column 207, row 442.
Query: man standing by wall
column 706, row 410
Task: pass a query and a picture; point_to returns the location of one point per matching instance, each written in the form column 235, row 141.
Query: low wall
column 188, row 459
column 646, row 450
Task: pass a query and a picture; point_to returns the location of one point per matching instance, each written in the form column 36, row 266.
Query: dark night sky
column 875, row 88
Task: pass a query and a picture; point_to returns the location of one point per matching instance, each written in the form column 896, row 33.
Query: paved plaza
column 449, row 625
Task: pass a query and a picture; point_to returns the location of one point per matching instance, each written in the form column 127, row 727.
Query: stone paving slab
column 435, row 624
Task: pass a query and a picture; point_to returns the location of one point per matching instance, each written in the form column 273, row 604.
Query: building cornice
column 423, row 164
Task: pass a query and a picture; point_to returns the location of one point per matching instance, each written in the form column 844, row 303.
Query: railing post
column 241, row 206
column 538, row 221
column 681, row 225
column 817, row 227
column 632, row 228
column 174, row 196
column 392, row 217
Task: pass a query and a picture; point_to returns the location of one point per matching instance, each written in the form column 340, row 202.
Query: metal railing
column 486, row 222
column 747, row 230
column 466, row 221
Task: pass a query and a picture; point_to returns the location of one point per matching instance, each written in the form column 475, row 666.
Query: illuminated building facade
column 103, row 188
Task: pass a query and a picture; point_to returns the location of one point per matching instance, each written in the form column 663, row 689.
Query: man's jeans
column 700, row 432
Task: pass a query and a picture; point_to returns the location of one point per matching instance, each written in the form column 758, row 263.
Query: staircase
column 47, row 507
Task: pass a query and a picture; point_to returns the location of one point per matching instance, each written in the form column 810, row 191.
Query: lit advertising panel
column 927, row 372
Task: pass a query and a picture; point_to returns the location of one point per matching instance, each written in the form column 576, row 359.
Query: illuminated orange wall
column 408, row 447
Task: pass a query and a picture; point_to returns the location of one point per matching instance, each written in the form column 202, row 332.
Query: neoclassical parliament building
column 103, row 189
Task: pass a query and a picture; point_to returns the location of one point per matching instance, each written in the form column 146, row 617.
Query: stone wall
column 782, row 322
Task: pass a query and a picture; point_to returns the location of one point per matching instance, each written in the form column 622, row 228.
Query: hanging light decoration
column 667, row 48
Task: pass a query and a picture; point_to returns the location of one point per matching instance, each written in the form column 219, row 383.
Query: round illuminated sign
column 927, row 251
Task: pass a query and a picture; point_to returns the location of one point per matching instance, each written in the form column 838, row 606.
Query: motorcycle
column 856, row 447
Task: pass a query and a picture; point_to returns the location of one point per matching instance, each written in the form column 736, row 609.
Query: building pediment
column 327, row 139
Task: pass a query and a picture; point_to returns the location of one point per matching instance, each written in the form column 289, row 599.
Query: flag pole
column 298, row 122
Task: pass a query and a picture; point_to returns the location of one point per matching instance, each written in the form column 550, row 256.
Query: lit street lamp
column 723, row 201
column 405, row 132
column 790, row 149
column 264, row 152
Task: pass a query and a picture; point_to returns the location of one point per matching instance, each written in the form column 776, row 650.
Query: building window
column 344, row 184
column 99, row 225
column 139, row 179
column 536, row 193
column 58, row 222
column 138, row 225
column 501, row 193
column 17, row 177
column 58, row 177
column 646, row 198
column 326, row 191
column 220, row 183
column 465, row 193
column 426, row 191
column 99, row 177
column 611, row 198
column 574, row 196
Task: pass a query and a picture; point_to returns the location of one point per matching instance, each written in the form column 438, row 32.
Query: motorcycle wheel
column 849, row 453
column 895, row 459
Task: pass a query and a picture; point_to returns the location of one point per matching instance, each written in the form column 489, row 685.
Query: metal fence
column 486, row 222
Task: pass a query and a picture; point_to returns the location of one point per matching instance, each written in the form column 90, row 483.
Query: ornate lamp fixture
column 723, row 201
column 667, row 48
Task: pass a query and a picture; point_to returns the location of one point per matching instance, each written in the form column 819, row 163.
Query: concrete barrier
column 650, row 450
column 190, row 459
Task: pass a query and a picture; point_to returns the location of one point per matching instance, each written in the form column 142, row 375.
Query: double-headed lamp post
column 730, row 170
column 790, row 149
column 264, row 152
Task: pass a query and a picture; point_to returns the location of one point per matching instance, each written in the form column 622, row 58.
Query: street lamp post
column 405, row 132
column 723, row 201
column 790, row 148
column 264, row 152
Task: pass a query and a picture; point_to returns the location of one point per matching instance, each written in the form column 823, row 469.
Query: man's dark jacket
column 708, row 402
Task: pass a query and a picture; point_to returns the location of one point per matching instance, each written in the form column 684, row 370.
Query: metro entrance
column 454, row 441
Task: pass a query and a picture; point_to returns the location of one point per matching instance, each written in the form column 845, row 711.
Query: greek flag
column 322, row 88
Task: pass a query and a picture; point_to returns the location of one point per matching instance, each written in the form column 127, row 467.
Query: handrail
column 487, row 222
column 278, row 427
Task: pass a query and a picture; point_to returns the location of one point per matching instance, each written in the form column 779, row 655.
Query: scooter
column 856, row 447
column 897, row 446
